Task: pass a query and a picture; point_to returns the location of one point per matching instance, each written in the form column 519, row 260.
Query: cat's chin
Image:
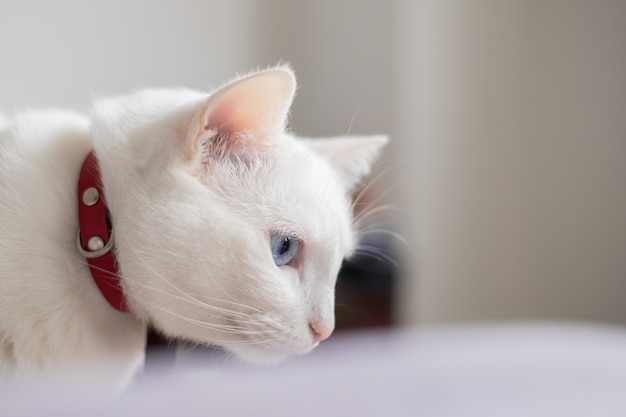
column 269, row 356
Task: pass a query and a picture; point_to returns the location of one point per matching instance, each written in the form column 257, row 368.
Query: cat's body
column 201, row 189
column 53, row 320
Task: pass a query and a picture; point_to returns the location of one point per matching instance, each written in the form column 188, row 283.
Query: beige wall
column 516, row 112
column 61, row 53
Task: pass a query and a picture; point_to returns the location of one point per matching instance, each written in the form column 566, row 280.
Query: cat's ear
column 247, row 114
column 351, row 156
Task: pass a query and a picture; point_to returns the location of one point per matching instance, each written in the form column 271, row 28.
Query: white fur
column 192, row 230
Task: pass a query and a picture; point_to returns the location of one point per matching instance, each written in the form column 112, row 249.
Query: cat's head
column 229, row 230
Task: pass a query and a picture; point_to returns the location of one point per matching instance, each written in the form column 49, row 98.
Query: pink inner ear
column 254, row 108
column 232, row 117
column 256, row 105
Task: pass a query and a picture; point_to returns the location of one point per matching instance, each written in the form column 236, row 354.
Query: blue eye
column 284, row 247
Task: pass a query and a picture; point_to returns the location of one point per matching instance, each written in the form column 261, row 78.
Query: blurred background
column 507, row 166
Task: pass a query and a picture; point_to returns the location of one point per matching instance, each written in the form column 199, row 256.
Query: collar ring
column 93, row 253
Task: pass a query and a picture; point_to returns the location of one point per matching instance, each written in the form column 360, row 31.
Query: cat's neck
column 95, row 234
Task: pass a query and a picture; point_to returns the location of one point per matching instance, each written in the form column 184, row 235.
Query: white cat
column 228, row 230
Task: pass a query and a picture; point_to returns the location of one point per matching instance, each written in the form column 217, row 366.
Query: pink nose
column 320, row 332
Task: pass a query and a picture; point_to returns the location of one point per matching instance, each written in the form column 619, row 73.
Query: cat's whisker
column 386, row 232
column 356, row 111
column 367, row 213
column 105, row 271
column 184, row 293
column 372, row 203
column 244, row 318
column 224, row 328
column 386, row 221
column 373, row 181
column 216, row 342
column 232, row 300
column 195, row 302
column 368, row 209
column 376, row 253
column 187, row 298
column 216, row 283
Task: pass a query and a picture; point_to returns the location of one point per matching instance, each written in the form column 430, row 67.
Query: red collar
column 95, row 234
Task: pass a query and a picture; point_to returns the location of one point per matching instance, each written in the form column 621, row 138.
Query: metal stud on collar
column 90, row 196
column 93, row 253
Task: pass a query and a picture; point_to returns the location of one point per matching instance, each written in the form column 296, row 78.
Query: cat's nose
column 320, row 331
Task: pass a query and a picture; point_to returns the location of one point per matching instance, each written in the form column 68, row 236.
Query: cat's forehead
column 293, row 190
column 317, row 199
